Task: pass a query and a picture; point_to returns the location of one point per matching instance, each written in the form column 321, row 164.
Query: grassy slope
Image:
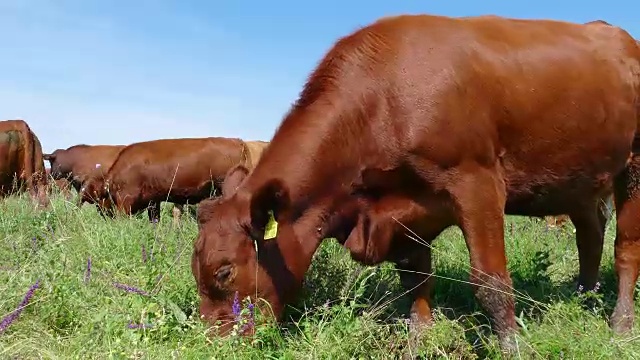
column 347, row 311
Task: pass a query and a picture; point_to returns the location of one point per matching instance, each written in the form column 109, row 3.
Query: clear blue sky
column 121, row 71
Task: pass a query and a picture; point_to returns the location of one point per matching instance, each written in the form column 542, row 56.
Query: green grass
column 346, row 312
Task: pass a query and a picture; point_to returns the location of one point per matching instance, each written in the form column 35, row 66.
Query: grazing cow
column 172, row 170
column 62, row 185
column 21, row 163
column 77, row 163
column 457, row 120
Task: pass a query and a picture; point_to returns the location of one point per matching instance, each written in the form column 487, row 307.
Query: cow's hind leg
column 590, row 224
column 479, row 196
column 627, row 243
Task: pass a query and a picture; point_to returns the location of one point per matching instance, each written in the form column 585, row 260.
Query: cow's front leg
column 479, row 197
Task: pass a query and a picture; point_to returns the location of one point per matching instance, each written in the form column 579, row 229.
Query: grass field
column 346, row 312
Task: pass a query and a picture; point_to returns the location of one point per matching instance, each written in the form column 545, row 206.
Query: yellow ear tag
column 271, row 229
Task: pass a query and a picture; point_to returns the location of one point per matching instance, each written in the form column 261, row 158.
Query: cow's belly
column 568, row 182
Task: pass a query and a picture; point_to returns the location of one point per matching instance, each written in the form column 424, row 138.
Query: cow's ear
column 49, row 157
column 233, row 179
column 267, row 206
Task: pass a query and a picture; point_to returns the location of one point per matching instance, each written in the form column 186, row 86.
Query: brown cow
column 468, row 118
column 172, row 170
column 254, row 150
column 77, row 163
column 21, row 163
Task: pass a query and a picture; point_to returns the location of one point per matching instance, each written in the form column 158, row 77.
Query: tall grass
column 138, row 301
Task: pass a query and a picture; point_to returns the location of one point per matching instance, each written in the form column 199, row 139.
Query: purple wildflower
column 235, row 307
column 250, row 323
column 87, row 274
column 132, row 325
column 4, row 324
column 144, row 254
column 34, row 243
column 130, row 289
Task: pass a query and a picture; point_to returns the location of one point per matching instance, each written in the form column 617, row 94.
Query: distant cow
column 606, row 208
column 21, row 163
column 172, row 170
column 453, row 122
column 78, row 162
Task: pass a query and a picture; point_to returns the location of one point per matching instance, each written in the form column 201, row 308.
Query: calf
column 465, row 118
column 21, row 162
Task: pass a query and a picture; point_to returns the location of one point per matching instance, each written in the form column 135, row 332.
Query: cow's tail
column 39, row 175
column 245, row 155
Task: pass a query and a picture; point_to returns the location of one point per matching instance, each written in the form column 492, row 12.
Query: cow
column 180, row 171
column 457, row 121
column 77, row 163
column 63, row 186
column 254, row 150
column 21, row 163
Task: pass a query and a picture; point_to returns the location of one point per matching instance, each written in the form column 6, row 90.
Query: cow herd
column 128, row 178
column 414, row 121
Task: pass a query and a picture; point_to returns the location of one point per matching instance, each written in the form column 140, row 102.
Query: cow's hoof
column 621, row 321
column 417, row 329
column 508, row 345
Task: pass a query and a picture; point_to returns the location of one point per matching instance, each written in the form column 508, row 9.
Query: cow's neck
column 302, row 156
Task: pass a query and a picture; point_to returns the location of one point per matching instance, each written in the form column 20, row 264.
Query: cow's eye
column 223, row 273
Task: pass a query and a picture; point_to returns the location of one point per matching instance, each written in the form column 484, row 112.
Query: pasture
column 123, row 289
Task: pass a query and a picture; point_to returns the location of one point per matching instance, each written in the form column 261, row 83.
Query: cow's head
column 61, row 164
column 232, row 259
column 93, row 190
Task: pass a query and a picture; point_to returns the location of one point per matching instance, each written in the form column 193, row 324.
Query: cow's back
column 493, row 86
column 90, row 157
column 176, row 161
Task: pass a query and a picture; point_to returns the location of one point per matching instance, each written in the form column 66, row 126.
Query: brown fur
column 21, row 160
column 172, row 170
column 78, row 163
column 442, row 121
